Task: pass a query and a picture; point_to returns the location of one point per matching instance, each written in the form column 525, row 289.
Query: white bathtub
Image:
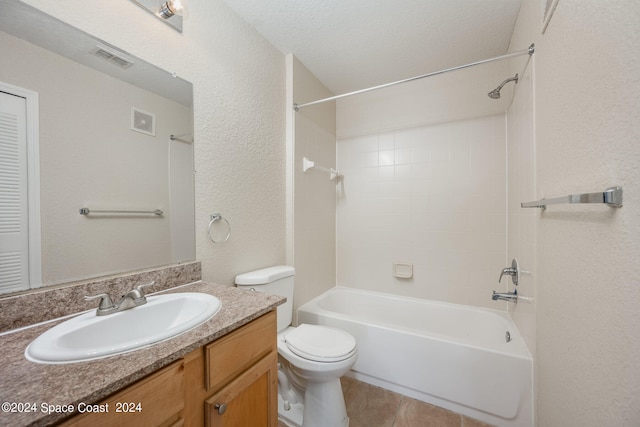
column 453, row 356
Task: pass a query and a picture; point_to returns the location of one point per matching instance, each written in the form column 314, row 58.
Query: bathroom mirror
column 113, row 133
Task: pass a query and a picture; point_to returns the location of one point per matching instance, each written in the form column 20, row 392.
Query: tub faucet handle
column 510, row 271
column 513, row 271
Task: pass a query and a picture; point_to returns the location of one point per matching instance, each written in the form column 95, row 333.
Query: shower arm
column 495, row 94
column 510, row 79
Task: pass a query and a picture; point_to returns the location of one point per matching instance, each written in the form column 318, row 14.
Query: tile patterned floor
column 371, row 406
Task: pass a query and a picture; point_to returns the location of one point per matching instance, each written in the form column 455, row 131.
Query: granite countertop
column 40, row 385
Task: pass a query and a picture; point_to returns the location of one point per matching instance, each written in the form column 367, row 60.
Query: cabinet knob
column 221, row 408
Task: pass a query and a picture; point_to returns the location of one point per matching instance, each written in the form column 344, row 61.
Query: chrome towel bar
column 612, row 196
column 87, row 211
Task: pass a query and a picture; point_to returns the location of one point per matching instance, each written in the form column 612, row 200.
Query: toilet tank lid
column 265, row 275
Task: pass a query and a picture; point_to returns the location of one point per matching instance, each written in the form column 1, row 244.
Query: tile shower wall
column 432, row 196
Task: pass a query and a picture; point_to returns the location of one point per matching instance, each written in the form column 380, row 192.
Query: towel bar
column 87, row 211
column 612, row 196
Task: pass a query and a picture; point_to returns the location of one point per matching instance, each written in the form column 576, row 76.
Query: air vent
column 112, row 55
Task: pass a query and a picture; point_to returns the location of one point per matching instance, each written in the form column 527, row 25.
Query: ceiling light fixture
column 170, row 8
column 168, row 11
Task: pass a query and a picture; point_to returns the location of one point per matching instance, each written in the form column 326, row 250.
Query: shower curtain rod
column 529, row 51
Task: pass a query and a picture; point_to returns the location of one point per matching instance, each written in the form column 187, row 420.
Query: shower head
column 495, row 94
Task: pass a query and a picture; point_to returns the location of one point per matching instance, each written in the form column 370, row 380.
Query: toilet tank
column 276, row 280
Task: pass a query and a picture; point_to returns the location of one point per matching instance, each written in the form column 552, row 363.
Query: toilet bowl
column 315, row 369
column 312, row 358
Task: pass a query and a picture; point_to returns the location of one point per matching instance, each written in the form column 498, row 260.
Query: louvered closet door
column 14, row 218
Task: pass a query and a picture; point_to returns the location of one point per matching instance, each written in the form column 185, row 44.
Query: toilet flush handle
column 221, row 408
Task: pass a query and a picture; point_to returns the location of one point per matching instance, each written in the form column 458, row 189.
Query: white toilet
column 312, row 358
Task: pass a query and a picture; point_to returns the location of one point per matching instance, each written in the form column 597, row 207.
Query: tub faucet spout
column 505, row 296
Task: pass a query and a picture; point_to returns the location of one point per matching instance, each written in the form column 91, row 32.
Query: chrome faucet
column 505, row 296
column 131, row 299
column 514, row 272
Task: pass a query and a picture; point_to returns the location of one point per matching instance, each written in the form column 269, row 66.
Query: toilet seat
column 320, row 343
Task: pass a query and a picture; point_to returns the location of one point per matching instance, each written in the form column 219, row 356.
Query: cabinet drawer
column 154, row 401
column 233, row 353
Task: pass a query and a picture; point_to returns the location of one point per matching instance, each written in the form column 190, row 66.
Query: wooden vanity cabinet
column 231, row 382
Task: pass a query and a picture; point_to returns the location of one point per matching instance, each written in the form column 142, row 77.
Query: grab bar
column 87, row 211
column 612, row 196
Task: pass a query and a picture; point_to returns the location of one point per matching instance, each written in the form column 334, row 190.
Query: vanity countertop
column 36, row 388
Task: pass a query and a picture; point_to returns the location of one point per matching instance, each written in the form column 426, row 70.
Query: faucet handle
column 105, row 301
column 508, row 271
column 144, row 285
column 513, row 271
column 137, row 294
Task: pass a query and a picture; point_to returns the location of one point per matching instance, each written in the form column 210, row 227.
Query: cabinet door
column 249, row 400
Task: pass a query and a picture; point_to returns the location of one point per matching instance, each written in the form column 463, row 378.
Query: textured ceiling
column 354, row 44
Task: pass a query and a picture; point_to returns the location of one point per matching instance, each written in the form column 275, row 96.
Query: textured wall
column 586, row 92
column 239, row 94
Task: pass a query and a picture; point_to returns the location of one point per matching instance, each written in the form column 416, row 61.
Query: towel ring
column 216, row 217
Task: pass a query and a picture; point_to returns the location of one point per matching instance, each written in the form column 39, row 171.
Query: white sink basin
column 90, row 337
